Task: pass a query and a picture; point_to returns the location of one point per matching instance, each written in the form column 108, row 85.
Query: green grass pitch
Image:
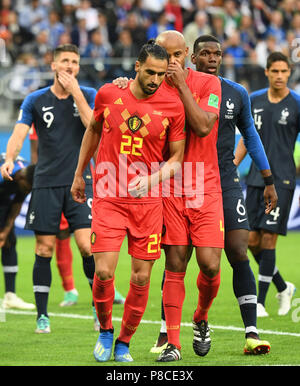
column 72, row 337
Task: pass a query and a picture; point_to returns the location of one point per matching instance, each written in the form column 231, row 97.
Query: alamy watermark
column 296, row 311
column 112, row 180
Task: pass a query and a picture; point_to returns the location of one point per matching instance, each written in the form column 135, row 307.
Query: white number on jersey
column 257, row 121
column 48, row 118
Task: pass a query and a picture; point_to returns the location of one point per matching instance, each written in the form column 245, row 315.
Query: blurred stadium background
column 110, row 33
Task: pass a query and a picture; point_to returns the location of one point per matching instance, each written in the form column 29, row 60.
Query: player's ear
column 193, row 58
column 53, row 66
column 186, row 52
column 137, row 66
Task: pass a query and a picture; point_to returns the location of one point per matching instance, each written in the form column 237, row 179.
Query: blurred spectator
column 154, row 7
column 232, row 16
column 20, row 36
column 126, row 50
column 136, row 28
column 90, row 14
column 264, row 47
column 228, row 69
column 80, row 36
column 261, row 15
column 40, row 45
column 65, row 38
column 235, row 49
column 54, row 26
column 255, row 73
column 162, row 24
column 288, row 9
column 32, row 15
column 174, row 13
column 25, row 75
column 45, row 69
column 196, row 28
column 122, row 8
column 296, row 24
column 5, row 8
column 98, row 69
column 103, row 27
column 217, row 26
column 275, row 28
column 68, row 16
column 248, row 38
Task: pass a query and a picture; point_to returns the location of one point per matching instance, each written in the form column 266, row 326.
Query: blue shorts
column 235, row 214
column 47, row 204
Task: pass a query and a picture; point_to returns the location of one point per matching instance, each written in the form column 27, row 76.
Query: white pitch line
column 76, row 316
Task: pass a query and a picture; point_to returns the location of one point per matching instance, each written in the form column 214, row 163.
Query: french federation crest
column 134, row 123
column 284, row 114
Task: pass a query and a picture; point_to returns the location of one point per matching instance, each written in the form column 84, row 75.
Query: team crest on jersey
column 76, row 112
column 229, row 109
column 284, row 114
column 134, row 123
column 93, row 238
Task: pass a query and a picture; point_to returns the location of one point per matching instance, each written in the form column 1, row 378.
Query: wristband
column 269, row 180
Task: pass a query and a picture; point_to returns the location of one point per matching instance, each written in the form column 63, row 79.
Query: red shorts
column 202, row 225
column 141, row 222
column 63, row 223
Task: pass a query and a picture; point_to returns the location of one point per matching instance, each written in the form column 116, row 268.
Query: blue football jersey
column 60, row 130
column 278, row 125
column 235, row 112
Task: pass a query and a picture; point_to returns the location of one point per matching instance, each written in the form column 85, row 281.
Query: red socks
column 134, row 308
column 173, row 298
column 64, row 260
column 208, row 289
column 103, row 296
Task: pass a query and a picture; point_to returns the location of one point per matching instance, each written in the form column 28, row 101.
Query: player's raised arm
column 14, row 146
column 70, row 84
column 200, row 121
column 89, row 145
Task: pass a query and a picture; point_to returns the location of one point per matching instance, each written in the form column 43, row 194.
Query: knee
column 44, row 248
column 254, row 242
column 140, row 278
column 268, row 240
column 84, row 248
column 236, row 253
column 104, row 273
column 211, row 269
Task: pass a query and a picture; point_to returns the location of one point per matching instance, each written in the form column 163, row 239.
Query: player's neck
column 276, row 96
column 136, row 90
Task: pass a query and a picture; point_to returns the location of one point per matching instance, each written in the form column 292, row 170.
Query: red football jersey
column 134, row 138
column 201, row 169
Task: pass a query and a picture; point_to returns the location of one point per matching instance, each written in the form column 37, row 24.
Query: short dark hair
column 277, row 57
column 65, row 48
column 152, row 49
column 204, row 39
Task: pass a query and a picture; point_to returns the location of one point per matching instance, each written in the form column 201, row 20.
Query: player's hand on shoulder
column 78, row 190
column 6, row 170
column 121, row 82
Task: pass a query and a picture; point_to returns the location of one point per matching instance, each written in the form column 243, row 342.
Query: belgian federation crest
column 134, row 123
column 93, row 238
